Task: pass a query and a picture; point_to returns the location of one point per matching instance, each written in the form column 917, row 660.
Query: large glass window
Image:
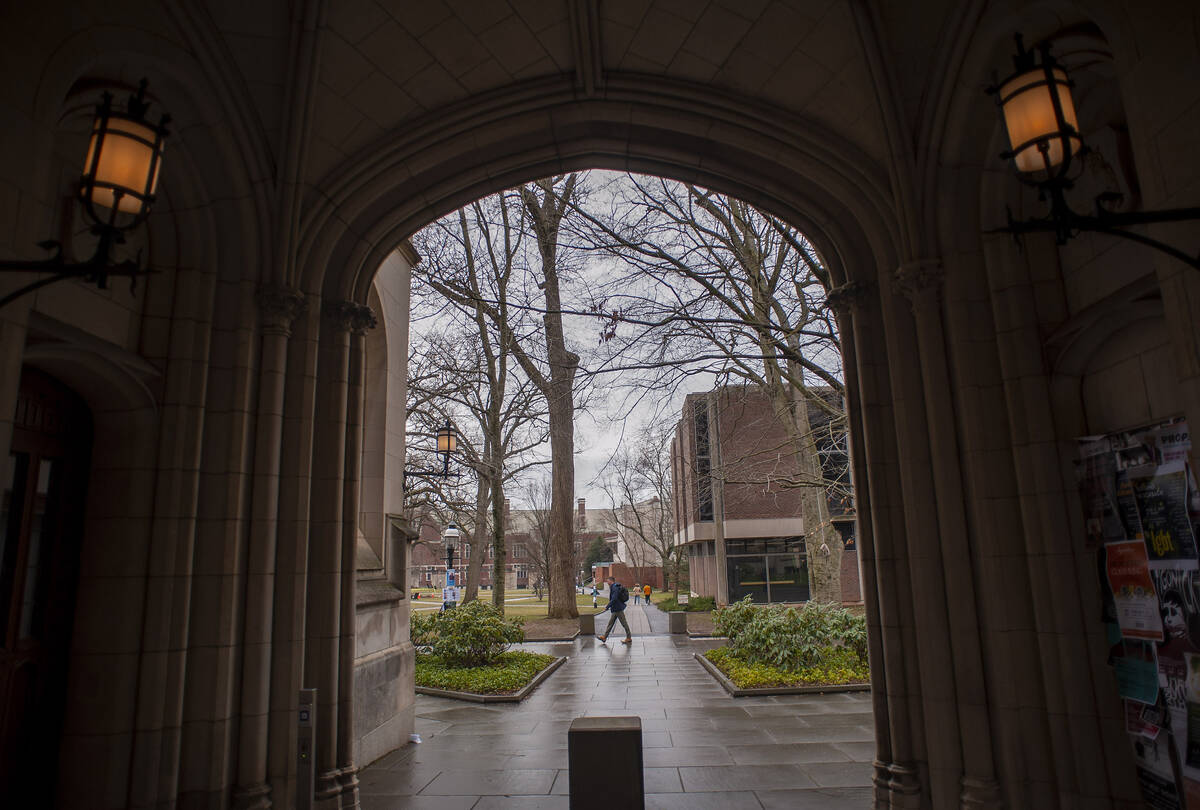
column 774, row 570
column 748, row 576
column 787, row 579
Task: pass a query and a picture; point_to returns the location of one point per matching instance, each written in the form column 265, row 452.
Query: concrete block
column 587, row 624
column 605, row 759
column 678, row 621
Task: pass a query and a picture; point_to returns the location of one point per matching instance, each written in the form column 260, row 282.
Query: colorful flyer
column 1135, row 666
column 1162, row 504
column 1128, row 567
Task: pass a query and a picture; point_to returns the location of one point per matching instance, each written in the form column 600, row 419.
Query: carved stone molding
column 904, row 785
column 981, row 793
column 253, row 797
column 846, row 298
column 348, row 316
column 278, row 307
column 921, row 281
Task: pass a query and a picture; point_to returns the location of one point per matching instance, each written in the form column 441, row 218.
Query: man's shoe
column 627, row 641
column 602, row 638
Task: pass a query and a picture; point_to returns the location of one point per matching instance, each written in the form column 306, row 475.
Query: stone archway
column 846, row 209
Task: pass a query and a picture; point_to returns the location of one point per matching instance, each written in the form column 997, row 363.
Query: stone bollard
column 605, row 759
column 677, row 621
column 587, row 624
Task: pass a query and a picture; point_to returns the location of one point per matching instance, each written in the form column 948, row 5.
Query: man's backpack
column 623, row 594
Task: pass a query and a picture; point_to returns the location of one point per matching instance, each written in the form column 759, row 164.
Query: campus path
column 702, row 749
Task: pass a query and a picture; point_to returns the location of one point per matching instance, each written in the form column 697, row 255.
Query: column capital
column 921, row 282
column 844, row 299
column 278, row 307
column 348, row 316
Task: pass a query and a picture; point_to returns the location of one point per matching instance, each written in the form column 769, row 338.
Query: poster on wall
column 1133, row 591
column 1162, row 502
column 1128, row 567
column 1156, row 774
column 1136, row 668
column 1096, row 472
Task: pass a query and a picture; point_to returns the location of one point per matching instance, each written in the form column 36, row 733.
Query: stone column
column 277, row 307
column 361, row 319
column 717, row 484
column 921, row 281
column 884, row 580
column 289, row 622
column 324, row 605
column 914, row 530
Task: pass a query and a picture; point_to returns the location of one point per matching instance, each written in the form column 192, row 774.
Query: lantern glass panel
column 446, row 441
column 1029, row 118
column 126, row 157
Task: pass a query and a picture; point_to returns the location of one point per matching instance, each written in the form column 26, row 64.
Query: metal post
column 306, row 766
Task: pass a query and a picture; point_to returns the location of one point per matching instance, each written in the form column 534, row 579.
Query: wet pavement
column 701, row 748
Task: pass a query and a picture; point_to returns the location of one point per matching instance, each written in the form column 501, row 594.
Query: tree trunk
column 498, row 548
column 479, row 541
column 820, row 539
column 547, row 214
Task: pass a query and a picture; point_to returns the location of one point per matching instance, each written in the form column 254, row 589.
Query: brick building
column 735, row 503
column 427, row 556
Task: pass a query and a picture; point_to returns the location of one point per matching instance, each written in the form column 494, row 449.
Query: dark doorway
column 41, row 516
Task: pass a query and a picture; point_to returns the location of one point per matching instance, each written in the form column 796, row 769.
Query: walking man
column 617, row 597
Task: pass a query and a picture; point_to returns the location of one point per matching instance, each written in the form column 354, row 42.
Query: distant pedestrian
column 617, row 597
column 637, row 594
column 646, row 589
column 593, row 594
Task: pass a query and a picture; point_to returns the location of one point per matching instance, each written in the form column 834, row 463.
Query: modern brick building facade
column 736, row 503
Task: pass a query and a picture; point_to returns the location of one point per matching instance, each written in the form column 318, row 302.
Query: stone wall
column 383, row 672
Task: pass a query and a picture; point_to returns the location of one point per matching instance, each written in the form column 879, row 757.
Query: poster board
column 1141, row 511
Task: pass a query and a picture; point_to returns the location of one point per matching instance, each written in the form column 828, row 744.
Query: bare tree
column 710, row 285
column 540, row 349
column 538, row 494
column 637, row 481
column 470, row 259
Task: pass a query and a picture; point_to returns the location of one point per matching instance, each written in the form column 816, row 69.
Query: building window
column 704, row 500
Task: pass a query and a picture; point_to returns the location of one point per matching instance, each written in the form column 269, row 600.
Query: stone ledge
column 554, row 639
column 515, row 697
column 376, row 592
column 736, row 691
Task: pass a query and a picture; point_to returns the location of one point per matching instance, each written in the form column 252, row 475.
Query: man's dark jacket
column 615, row 602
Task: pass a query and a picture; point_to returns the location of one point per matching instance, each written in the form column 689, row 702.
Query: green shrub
column 840, row 666
column 792, row 638
column 420, row 628
column 730, row 621
column 508, row 673
column 469, row 635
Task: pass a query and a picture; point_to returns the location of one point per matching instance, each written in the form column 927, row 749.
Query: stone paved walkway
column 702, row 748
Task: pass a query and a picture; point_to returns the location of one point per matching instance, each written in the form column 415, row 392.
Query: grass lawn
column 746, row 675
column 511, row 672
column 516, row 603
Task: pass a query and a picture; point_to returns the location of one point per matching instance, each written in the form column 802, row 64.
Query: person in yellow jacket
column 646, row 591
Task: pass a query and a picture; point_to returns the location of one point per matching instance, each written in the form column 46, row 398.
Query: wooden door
column 41, row 521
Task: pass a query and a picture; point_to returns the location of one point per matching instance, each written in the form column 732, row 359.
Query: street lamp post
column 450, row 537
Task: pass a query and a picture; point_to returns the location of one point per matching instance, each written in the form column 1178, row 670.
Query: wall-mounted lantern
column 120, row 175
column 1045, row 142
column 447, row 444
